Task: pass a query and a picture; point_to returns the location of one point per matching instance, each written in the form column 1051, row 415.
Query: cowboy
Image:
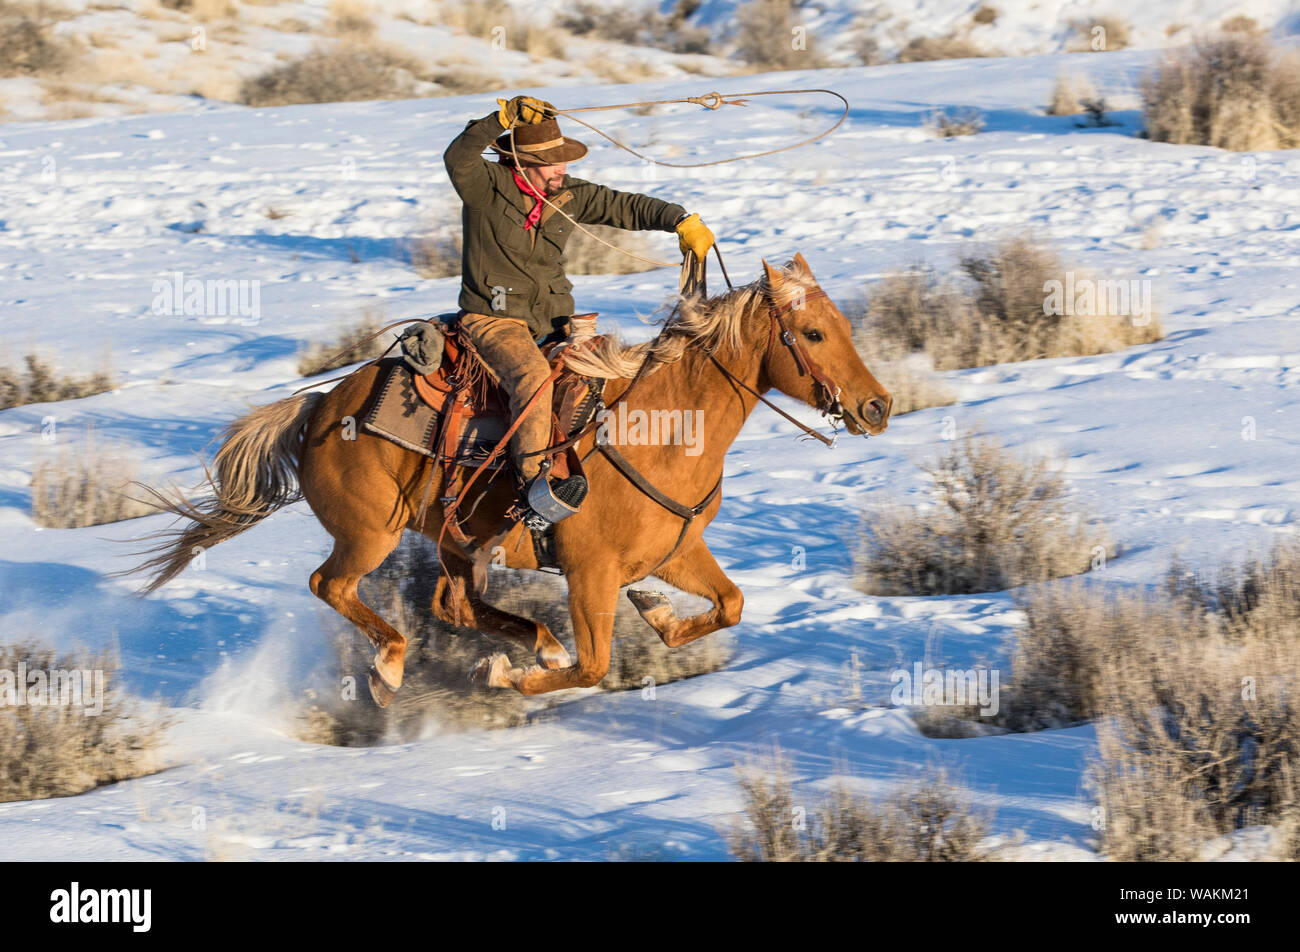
column 514, row 294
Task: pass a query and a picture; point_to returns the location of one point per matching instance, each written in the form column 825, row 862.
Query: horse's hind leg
column 694, row 570
column 335, row 583
column 456, row 601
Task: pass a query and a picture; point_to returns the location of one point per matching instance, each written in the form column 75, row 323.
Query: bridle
column 828, row 391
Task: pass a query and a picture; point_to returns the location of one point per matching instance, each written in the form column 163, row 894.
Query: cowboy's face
column 547, row 179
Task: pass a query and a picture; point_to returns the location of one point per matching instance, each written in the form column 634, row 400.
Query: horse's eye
column 813, row 336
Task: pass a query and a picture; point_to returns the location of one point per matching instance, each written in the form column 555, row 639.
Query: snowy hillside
column 94, row 212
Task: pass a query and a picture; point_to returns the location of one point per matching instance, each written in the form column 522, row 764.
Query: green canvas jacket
column 515, row 273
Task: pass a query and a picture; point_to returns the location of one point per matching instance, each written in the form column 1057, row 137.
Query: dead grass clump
column 770, row 36
column 1241, row 24
column 350, row 18
column 985, row 14
column 1102, row 34
column 962, row 122
column 436, row 255
column 40, row 383
column 932, row 821
column 1234, row 91
column 1069, row 94
column 998, row 522
column 63, row 748
column 85, row 486
column 28, row 45
column 1009, row 305
column 350, row 347
column 463, row 81
column 345, row 73
column 435, row 694
column 923, row 49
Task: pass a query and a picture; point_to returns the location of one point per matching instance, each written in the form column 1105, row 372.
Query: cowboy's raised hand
column 694, row 235
column 523, row 109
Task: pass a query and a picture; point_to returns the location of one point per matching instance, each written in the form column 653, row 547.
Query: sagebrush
column 929, row 821
column 58, row 750
column 997, row 521
column 999, row 310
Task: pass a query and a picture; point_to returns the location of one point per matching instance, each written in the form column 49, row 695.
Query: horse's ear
column 774, row 276
column 801, row 265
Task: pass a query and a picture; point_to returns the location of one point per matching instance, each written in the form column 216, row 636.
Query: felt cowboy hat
column 540, row 144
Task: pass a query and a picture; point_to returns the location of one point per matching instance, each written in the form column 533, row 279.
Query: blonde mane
column 714, row 323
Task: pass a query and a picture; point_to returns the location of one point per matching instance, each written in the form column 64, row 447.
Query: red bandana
column 527, row 189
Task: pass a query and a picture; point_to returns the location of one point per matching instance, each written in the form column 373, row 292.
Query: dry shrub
column 1194, row 691
column 1069, row 94
column 1241, row 24
column 930, row 821
column 55, row 750
column 985, row 14
column 350, row 347
column 963, row 122
column 1234, row 91
column 486, row 18
column 350, row 18
column 923, row 49
column 436, row 694
column 85, row 486
column 27, row 41
column 998, row 522
column 633, row 26
column 996, row 315
column 347, row 72
column 436, row 255
column 583, row 254
column 40, row 383
column 204, row 10
column 1103, row 34
column 764, row 37
column 462, row 81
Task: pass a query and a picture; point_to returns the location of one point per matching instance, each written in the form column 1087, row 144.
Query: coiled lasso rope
column 712, row 100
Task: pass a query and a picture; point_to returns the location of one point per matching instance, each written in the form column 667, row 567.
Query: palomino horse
column 712, row 357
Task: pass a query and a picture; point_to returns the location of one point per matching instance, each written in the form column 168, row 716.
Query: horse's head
column 810, row 353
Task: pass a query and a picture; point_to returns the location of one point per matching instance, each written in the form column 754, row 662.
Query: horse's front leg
column 593, row 598
column 696, row 571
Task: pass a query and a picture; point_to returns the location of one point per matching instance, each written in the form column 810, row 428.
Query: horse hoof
column 492, row 672
column 553, row 659
column 382, row 692
column 649, row 603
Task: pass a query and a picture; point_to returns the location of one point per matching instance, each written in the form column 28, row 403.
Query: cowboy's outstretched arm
column 606, row 206
column 464, row 160
column 601, row 205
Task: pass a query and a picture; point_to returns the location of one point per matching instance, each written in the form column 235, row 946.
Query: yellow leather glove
column 523, row 109
column 694, row 235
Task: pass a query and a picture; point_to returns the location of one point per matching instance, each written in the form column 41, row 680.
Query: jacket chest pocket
column 510, row 230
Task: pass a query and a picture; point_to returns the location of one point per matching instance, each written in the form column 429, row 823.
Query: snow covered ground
column 93, row 212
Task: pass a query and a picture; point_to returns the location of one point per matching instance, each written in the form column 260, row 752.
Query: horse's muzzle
column 871, row 418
